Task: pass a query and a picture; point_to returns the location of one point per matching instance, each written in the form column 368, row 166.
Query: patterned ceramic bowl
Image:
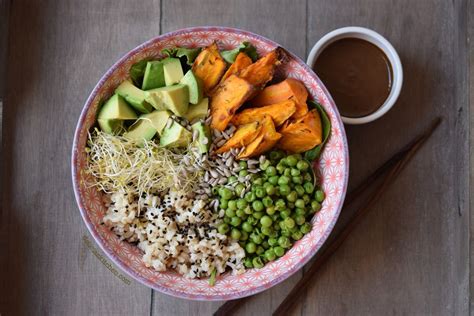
column 333, row 168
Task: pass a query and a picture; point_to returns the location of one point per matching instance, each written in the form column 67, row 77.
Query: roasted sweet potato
column 243, row 136
column 209, row 66
column 302, row 134
column 269, row 139
column 241, row 62
column 261, row 72
column 279, row 112
column 227, row 98
column 287, row 89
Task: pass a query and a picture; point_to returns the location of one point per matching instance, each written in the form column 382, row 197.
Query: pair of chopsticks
column 391, row 169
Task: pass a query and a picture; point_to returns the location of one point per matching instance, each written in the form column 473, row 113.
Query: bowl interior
column 333, row 168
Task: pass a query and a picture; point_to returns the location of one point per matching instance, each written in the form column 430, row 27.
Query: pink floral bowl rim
column 333, row 166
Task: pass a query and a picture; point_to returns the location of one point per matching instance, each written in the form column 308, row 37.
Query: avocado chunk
column 172, row 70
column 134, row 96
column 154, row 76
column 148, row 125
column 116, row 108
column 203, row 140
column 194, row 87
column 175, row 136
column 110, row 126
column 198, row 111
column 174, row 98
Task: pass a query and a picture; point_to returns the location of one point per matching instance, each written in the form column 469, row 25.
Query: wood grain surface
column 411, row 256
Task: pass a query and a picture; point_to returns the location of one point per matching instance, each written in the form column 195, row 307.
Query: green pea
column 223, row 228
column 285, row 189
column 223, row 203
column 284, row 242
column 265, row 165
column 250, row 247
column 275, row 155
column 320, row 196
column 289, row 222
column 243, row 164
column 216, row 190
column 247, row 227
column 266, row 231
column 299, row 190
column 235, row 234
column 257, row 239
column 287, row 172
column 248, row 210
column 229, row 212
column 279, row 251
column 258, row 181
column 300, row 203
column 250, row 196
column 258, row 215
column 308, row 177
column 295, row 172
column 267, row 201
column 260, row 250
column 300, row 212
column 235, row 221
column 283, row 161
column 291, row 205
column 257, row 205
column 265, row 244
column 285, row 213
column 273, row 180
column 299, row 219
column 231, row 179
column 243, row 173
column 257, row 262
column 240, row 213
column 285, row 232
column 260, row 192
column 270, row 189
column 297, row 180
column 252, row 220
column 305, row 228
column 227, row 220
column 292, row 196
column 271, row 171
column 280, row 168
column 272, row 241
column 266, row 221
column 280, row 204
column 306, row 199
column 302, row 165
column 282, row 180
column 308, row 187
column 270, row 254
column 242, row 204
column 276, row 222
column 270, row 210
column 239, row 188
column 315, row 206
column 243, row 236
column 248, row 263
column 232, row 204
column 225, row 193
column 291, row 161
column 297, row 235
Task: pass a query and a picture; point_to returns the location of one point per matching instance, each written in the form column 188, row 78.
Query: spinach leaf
column 314, row 153
column 246, row 47
column 137, row 71
column 190, row 54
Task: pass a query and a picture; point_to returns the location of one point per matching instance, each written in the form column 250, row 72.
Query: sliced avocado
column 175, row 136
column 116, row 108
column 194, row 87
column 110, row 126
column 174, row 98
column 134, row 96
column 198, row 111
column 148, row 125
column 172, row 70
column 204, row 136
column 154, row 76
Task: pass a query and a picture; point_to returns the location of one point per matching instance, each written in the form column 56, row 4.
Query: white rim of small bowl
column 379, row 41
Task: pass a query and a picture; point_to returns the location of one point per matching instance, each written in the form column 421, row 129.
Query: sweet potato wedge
column 227, row 98
column 279, row 112
column 243, row 136
column 287, row 89
column 209, row 66
column 261, row 72
column 241, row 62
column 269, row 139
column 302, row 134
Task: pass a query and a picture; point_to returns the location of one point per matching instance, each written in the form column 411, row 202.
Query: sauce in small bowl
column 361, row 70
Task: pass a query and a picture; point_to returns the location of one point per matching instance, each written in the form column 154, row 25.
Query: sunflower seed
column 252, row 162
column 195, row 134
column 262, row 159
column 253, row 170
column 229, row 162
column 206, row 176
column 221, row 142
column 208, row 120
column 222, row 181
column 231, row 130
column 214, row 174
column 169, row 122
column 227, row 173
column 224, row 134
column 205, row 141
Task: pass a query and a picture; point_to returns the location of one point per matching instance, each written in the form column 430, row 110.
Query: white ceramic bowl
column 379, row 41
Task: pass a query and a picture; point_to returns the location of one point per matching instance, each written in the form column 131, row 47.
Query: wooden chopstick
column 395, row 164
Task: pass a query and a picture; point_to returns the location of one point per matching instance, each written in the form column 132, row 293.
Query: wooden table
column 411, row 256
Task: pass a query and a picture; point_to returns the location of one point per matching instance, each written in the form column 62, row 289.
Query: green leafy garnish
column 137, row 71
column 189, row 53
column 212, row 278
column 314, row 153
column 246, row 47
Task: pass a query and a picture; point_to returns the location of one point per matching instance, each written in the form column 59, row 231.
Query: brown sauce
column 357, row 74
